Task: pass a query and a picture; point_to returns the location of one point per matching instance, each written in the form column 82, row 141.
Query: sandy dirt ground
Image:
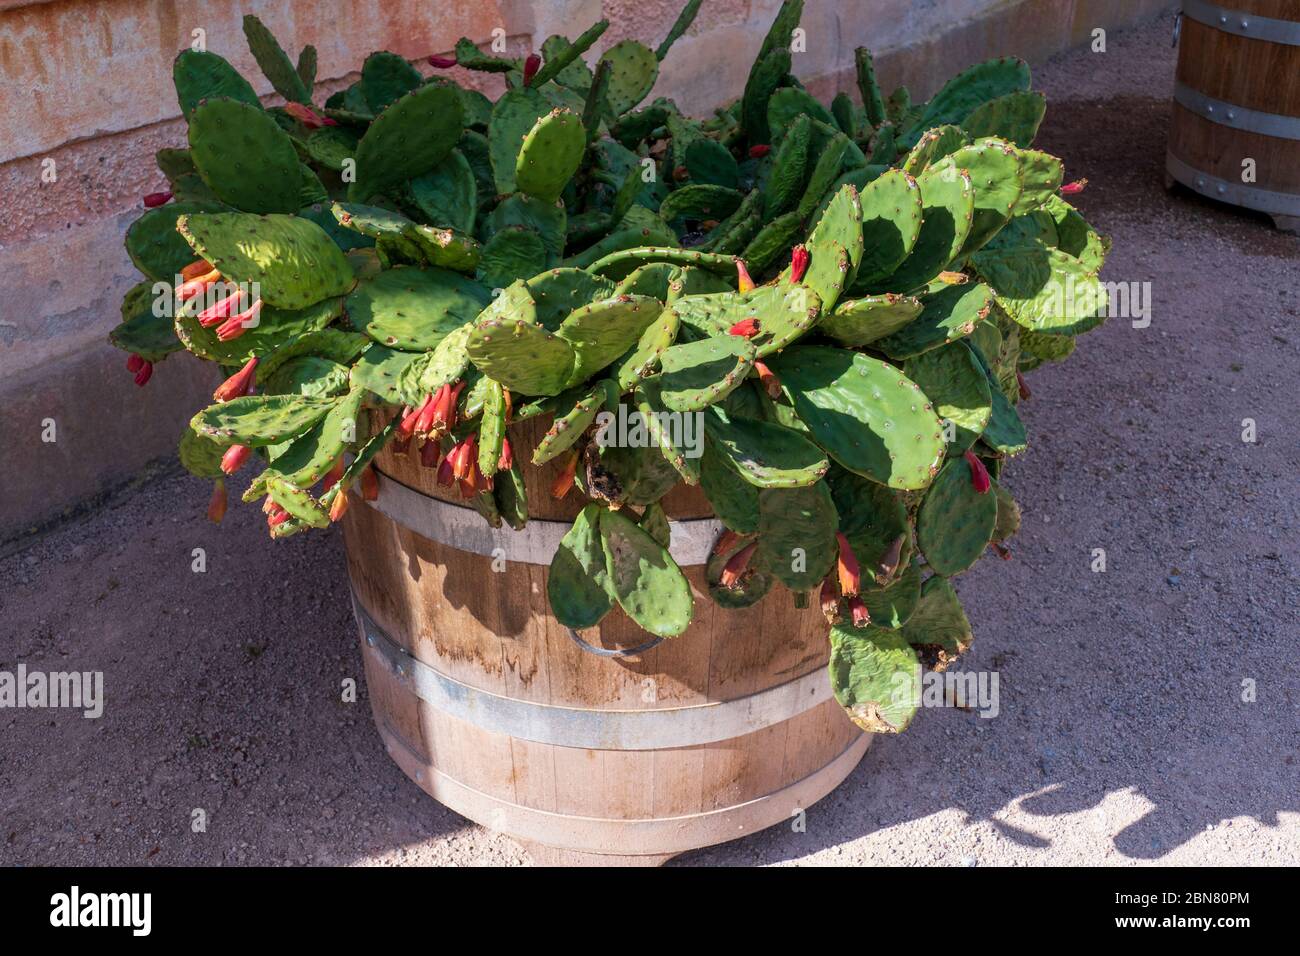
column 1123, row 737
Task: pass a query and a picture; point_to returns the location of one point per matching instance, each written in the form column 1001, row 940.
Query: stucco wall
column 86, row 85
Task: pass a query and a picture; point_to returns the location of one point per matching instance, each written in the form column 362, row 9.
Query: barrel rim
column 1243, row 24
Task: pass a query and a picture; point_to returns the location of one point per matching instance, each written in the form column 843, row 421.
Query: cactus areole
column 823, row 316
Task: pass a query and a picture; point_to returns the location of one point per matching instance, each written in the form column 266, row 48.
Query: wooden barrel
column 1235, row 130
column 590, row 748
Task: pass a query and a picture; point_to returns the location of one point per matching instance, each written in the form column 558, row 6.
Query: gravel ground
column 1122, row 737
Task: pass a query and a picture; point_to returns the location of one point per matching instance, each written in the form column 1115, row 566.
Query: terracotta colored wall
column 86, row 84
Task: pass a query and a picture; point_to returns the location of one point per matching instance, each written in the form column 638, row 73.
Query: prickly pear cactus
column 819, row 313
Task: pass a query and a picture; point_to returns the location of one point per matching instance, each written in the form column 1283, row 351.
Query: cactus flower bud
column 563, row 482
column 237, row 325
column 197, row 285
column 154, row 200
column 307, row 116
column 861, row 616
column 241, row 383
column 725, row 541
column 332, row 476
column 217, row 503
column 953, row 278
column 464, row 457
column 798, row 264
column 430, row 453
column 424, row 417
column 830, row 599
column 234, row 458
column 847, row 570
column 445, row 476
column 531, row 66
column 979, row 475
column 1074, row 188
column 759, row 151
column 218, row 313
column 134, row 363
column 339, row 506
column 369, row 484
column 743, row 281
column 195, row 269
column 442, row 62
column 406, row 428
column 745, row 328
column 278, row 518
column 888, row 562
column 1023, row 387
column 736, row 566
column 507, row 459
column 144, row 374
column 767, row 378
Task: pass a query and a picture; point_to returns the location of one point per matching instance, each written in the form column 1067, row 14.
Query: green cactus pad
column 796, row 534
column 892, row 605
column 409, row 138
column 858, row 322
column 1042, row 176
column 551, row 153
column 639, row 228
column 511, row 497
column 244, row 157
column 873, row 102
column 824, row 173
column 522, row 356
column 663, row 428
column 308, row 457
column 787, row 104
column 154, row 245
column 652, row 279
column 1014, row 117
column 274, row 62
column 371, row 221
column 835, row 247
column 447, row 194
column 1045, row 348
column 492, row 428
column 698, row 374
column 765, row 454
column 570, row 423
column 603, row 331
column 891, row 221
column 647, row 582
column 788, row 177
column 144, row 330
column 514, row 253
column 873, row 518
column 200, row 456
column 700, row 201
column 633, row 69
column 548, row 220
column 556, row 293
column 954, row 382
column 748, row 591
column 379, row 370
column 276, row 330
column 871, row 418
column 640, row 475
column 1005, row 432
column 938, row 629
column 309, row 375
column 414, row 309
column 955, row 522
column 1008, row 522
column 768, row 73
column 578, row 584
column 259, row 420
column 200, row 75
column 948, row 203
column 446, row 248
column 514, row 117
column 711, row 163
column 563, row 60
column 446, row 364
column 386, row 78
column 293, row 261
column 734, row 500
column 932, row 147
column 643, row 358
column 875, row 676
column 970, row 89
column 618, row 265
column 949, row 314
column 994, row 168
column 297, row 502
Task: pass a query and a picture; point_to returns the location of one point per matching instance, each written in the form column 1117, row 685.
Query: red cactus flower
column 850, row 576
column 798, row 264
column 369, row 484
column 241, row 383
column 144, row 373
column 424, row 418
column 237, row 325
column 268, row 505
column 1023, row 386
column 234, row 458
column 307, row 116
column 736, row 566
column 725, row 541
column 332, row 476
column 406, row 427
column 197, row 285
column 430, row 453
column 442, row 62
column 278, row 518
column 861, row 616
column 745, row 328
column 531, row 66
column 217, row 313
column 743, row 281
column 217, row 503
column 830, row 599
column 154, row 200
column 979, row 475
column 466, row 457
column 759, row 151
column 1074, row 188
column 767, row 378
column 195, row 269
column 339, row 506
column 507, row 459
column 445, row 476
column 564, row 481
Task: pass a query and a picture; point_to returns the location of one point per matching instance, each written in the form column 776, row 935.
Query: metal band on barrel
column 463, row 528
column 1249, row 197
column 657, row 729
column 1237, row 117
column 1242, row 24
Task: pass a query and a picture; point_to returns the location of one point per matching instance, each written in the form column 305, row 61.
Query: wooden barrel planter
column 1237, row 98
column 603, row 747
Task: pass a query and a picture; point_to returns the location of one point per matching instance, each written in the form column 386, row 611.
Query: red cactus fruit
column 799, row 259
column 154, row 200
column 134, row 363
column 745, row 328
column 217, row 503
column 861, row 616
column 846, row 568
column 531, row 66
column 241, row 383
column 507, row 459
column 737, row 565
column 234, row 458
column 430, row 453
column 1074, row 188
column 144, row 374
column 979, row 475
column 759, row 151
column 767, row 378
column 369, row 484
column 442, row 62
